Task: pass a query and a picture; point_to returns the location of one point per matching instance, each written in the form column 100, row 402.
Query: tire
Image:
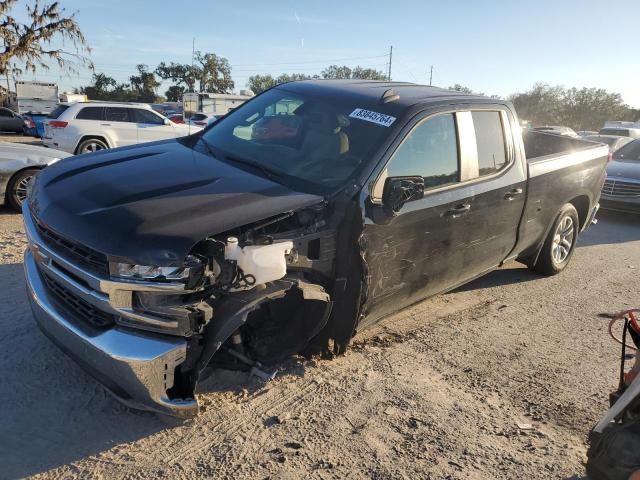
column 91, row 145
column 17, row 187
column 614, row 453
column 560, row 244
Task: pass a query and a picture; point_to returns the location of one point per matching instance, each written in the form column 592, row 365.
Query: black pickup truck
column 306, row 214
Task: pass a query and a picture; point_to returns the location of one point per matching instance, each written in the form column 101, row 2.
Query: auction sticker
column 373, row 117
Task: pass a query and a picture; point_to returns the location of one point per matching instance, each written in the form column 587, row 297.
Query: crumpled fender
column 232, row 312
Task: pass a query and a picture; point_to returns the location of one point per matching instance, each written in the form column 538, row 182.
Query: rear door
column 496, row 189
column 121, row 123
column 151, row 126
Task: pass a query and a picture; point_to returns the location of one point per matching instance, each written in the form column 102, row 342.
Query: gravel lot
column 437, row 391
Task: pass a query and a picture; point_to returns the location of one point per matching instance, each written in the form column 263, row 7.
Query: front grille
column 74, row 252
column 77, row 306
column 618, row 188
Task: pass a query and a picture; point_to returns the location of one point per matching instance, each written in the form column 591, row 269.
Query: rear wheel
column 560, row 243
column 17, row 187
column 91, row 145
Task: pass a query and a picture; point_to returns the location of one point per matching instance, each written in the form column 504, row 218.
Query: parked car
column 621, row 189
column 10, row 121
column 169, row 253
column 613, row 141
column 176, row 118
column 620, row 132
column 89, row 127
column 202, row 119
column 556, row 130
column 19, row 163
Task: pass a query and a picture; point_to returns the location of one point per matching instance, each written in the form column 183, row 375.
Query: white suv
column 85, row 127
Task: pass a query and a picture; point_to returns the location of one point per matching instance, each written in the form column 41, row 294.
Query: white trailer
column 213, row 103
column 36, row 97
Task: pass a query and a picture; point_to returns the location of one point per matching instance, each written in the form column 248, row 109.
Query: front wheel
column 91, row 145
column 560, row 244
column 17, row 188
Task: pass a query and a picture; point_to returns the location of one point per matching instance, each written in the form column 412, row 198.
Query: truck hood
column 624, row 169
column 149, row 204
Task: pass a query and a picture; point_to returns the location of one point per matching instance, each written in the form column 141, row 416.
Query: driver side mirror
column 400, row 190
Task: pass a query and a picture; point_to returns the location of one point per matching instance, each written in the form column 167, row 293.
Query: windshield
column 308, row 143
column 631, row 151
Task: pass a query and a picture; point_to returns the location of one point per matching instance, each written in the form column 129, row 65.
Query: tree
column 174, row 93
column 210, row 73
column 260, row 83
column 144, row 85
column 106, row 88
column 27, row 46
column 461, row 88
column 580, row 109
column 182, row 75
column 213, row 73
column 335, row 71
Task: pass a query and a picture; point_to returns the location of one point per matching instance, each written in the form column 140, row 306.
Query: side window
column 145, row 116
column 91, row 113
column 430, row 151
column 118, row 114
column 5, row 113
column 492, row 156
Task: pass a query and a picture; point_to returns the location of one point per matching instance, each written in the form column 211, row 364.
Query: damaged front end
column 246, row 298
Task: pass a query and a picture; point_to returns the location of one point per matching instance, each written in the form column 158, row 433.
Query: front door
column 414, row 252
column 152, row 127
column 122, row 126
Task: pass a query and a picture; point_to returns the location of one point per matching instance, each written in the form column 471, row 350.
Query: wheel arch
column 5, row 195
column 89, row 137
column 581, row 204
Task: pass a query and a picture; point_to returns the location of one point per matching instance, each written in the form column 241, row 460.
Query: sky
column 492, row 46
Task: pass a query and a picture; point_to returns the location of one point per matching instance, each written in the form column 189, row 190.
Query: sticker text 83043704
column 373, row 117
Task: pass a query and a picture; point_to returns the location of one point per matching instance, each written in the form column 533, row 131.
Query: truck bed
column 560, row 170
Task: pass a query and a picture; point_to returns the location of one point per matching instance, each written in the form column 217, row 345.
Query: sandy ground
column 435, row 392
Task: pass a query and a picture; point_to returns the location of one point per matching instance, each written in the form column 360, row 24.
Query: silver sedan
column 19, row 163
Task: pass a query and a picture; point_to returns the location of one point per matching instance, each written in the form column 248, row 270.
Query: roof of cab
column 373, row 90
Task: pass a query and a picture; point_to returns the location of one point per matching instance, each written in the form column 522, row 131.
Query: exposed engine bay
column 259, row 295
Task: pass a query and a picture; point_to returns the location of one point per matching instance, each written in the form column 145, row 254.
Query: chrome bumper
column 136, row 368
column 592, row 220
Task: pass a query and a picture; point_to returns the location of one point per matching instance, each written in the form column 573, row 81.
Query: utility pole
column 193, row 54
column 390, row 57
column 431, row 76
